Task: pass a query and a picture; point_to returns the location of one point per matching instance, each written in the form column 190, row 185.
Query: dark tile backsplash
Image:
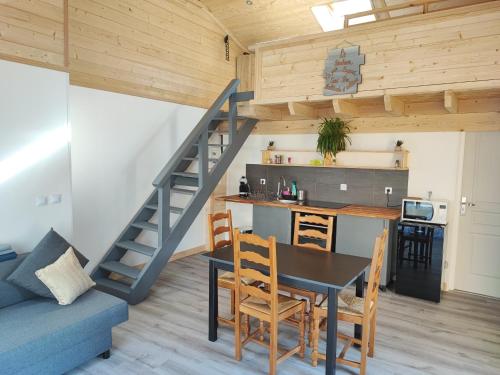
column 364, row 186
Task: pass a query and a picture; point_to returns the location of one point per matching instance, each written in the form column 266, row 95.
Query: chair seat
column 284, row 303
column 228, row 277
column 348, row 304
column 298, row 291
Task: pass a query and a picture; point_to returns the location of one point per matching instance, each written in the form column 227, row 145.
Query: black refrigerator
column 419, row 260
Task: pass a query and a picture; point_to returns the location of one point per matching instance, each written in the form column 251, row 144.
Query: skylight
column 331, row 17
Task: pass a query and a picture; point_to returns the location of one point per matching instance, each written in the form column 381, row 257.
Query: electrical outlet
column 343, row 187
column 262, row 181
column 388, row 190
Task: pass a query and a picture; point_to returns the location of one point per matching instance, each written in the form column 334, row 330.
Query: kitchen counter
column 350, row 209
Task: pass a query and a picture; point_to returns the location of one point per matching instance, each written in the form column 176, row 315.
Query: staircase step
column 214, row 145
column 186, row 174
column 176, row 210
column 121, row 269
column 224, row 117
column 197, row 158
column 112, row 285
column 137, row 247
column 146, row 226
column 183, row 191
column 152, row 206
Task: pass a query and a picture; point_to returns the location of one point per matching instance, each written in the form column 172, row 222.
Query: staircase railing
column 169, row 237
column 172, row 178
column 200, row 129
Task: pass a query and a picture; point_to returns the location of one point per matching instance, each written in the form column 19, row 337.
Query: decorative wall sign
column 342, row 71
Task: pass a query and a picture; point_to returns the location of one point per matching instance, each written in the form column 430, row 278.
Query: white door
column 478, row 261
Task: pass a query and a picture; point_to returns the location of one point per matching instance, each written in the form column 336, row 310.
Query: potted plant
column 398, row 146
column 271, row 146
column 333, row 135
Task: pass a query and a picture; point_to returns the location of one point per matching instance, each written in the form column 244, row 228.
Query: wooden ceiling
column 267, row 20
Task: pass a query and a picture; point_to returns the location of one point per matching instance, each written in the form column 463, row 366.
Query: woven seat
column 284, row 303
column 348, row 304
column 229, row 277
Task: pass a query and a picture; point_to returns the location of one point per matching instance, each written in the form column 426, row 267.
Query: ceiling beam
column 261, row 112
column 450, row 101
column 489, row 121
column 302, row 110
column 343, row 107
column 394, row 105
column 376, row 4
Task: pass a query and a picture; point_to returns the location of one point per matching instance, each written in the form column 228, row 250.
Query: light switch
column 55, row 198
column 343, row 187
column 41, row 200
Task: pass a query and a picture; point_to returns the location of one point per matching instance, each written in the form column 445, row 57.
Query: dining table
column 323, row 272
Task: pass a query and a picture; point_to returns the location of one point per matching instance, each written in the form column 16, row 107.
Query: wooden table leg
column 360, row 281
column 213, row 302
column 331, row 333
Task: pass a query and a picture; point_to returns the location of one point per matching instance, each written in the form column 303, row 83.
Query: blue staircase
column 177, row 177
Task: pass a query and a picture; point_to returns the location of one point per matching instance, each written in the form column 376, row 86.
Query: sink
column 287, row 201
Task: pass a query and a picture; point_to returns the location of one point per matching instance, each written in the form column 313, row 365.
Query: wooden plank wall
column 33, row 32
column 459, row 45
column 169, row 50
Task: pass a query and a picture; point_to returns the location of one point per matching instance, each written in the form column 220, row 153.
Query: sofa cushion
column 11, row 294
column 40, row 328
column 48, row 250
column 65, row 278
column 9, row 266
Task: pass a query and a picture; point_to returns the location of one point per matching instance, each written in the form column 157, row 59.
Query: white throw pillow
column 65, row 278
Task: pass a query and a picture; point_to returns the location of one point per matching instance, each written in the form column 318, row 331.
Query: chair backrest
column 301, row 236
column 375, row 271
column 245, row 259
column 214, row 229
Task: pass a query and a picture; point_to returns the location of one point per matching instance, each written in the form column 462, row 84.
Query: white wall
column 34, row 155
column 435, row 165
column 120, row 144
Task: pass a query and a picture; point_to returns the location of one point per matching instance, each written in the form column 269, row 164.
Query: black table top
column 323, row 268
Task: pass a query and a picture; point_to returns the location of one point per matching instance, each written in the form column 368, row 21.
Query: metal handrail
column 193, row 137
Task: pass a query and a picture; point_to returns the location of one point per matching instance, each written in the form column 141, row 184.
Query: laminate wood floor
column 167, row 334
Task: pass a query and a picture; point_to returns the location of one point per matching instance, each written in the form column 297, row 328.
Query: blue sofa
column 38, row 336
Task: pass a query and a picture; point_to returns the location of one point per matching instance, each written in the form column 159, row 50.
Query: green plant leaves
column 333, row 135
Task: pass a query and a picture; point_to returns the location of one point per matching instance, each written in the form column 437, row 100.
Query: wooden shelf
column 385, row 161
column 336, row 166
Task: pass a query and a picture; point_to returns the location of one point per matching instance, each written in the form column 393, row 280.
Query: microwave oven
column 424, row 211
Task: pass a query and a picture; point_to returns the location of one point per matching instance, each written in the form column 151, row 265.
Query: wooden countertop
column 351, row 209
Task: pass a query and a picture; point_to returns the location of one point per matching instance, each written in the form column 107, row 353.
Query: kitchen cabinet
column 356, row 236
column 273, row 221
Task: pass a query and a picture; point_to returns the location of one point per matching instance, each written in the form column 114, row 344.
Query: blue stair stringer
column 175, row 178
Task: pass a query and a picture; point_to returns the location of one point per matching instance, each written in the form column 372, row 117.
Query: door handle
column 471, row 204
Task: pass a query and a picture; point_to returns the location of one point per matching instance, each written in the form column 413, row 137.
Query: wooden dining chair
column 310, row 238
column 220, row 224
column 263, row 303
column 356, row 310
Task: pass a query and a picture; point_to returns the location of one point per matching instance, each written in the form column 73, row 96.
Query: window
column 331, row 17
